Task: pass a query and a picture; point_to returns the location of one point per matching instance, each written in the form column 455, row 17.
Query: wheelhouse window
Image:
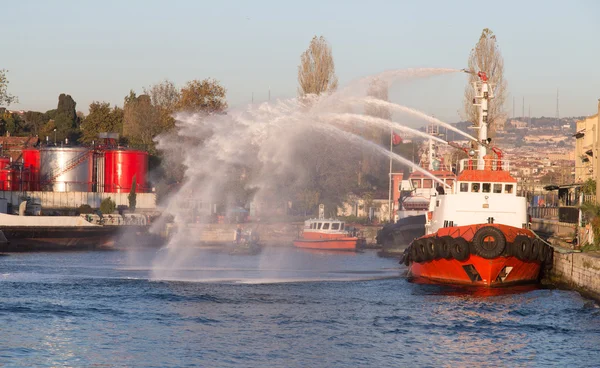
column 450, row 182
column 464, row 187
column 475, row 187
column 326, row 226
column 497, row 188
column 508, row 188
column 416, row 183
column 342, row 227
column 427, row 183
column 312, row 225
column 335, row 226
column 319, row 226
column 486, row 187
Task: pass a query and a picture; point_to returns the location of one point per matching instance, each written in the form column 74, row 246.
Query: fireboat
column 478, row 233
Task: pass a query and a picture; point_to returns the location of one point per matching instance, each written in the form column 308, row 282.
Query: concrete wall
column 49, row 200
column 580, row 270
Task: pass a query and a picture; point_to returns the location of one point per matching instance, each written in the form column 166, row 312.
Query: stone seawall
column 578, row 270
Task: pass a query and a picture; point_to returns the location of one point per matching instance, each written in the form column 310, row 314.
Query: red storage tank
column 4, row 162
column 6, row 179
column 31, row 164
column 119, row 168
column 21, row 180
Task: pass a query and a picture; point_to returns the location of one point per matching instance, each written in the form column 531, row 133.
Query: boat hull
column 348, row 244
column 42, row 238
column 479, row 271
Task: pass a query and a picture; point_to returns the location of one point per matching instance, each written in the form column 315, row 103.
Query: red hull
column 328, row 244
column 476, row 270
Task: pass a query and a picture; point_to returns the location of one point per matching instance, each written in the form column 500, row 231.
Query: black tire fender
column 459, row 249
column 522, row 247
column 444, row 247
column 422, row 253
column 414, row 253
column 431, row 248
column 489, row 242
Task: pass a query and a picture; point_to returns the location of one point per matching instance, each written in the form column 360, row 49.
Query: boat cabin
column 486, row 195
column 324, row 225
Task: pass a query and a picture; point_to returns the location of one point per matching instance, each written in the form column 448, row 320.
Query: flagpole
column 390, row 177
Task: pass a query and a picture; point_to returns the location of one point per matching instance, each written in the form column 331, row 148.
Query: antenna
column 523, row 113
column 269, row 93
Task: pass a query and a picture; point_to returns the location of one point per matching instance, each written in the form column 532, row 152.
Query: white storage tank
column 66, row 169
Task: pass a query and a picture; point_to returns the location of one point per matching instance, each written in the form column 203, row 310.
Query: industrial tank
column 31, row 164
column 4, row 162
column 66, row 169
column 6, row 179
column 120, row 166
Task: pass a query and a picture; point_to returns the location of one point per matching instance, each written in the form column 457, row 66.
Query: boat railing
column 492, row 164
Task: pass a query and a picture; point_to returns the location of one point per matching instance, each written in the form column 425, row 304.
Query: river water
column 282, row 308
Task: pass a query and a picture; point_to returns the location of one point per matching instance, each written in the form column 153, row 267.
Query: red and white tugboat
column 327, row 234
column 478, row 234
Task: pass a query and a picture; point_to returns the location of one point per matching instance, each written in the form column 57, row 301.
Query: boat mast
column 483, row 93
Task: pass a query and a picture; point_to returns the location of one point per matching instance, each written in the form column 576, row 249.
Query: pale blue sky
column 99, row 50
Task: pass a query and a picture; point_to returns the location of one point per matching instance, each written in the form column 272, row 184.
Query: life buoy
column 459, row 249
column 444, row 247
column 489, row 242
column 522, row 247
column 431, row 248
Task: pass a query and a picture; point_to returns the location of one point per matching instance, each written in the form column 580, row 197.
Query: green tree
column 107, row 206
column 141, row 121
column 101, row 118
column 165, row 98
column 34, row 121
column 205, row 96
column 132, row 197
column 5, row 98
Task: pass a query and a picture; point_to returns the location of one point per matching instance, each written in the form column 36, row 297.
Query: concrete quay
column 576, row 270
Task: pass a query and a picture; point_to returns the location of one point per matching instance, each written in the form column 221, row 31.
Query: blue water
column 283, row 308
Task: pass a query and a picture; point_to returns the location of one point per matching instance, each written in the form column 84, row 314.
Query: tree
column 107, row 206
column 165, row 98
column 132, row 197
column 140, row 121
column 34, row 121
column 486, row 57
column 5, row 98
column 206, row 96
column 101, row 118
column 316, row 72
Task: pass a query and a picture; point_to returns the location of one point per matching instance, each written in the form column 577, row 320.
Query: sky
column 100, row 50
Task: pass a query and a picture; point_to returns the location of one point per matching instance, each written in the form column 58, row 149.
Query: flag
column 396, row 139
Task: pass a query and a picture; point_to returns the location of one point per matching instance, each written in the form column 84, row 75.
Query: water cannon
column 465, row 70
column 482, row 76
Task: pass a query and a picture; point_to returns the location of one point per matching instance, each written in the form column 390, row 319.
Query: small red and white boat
column 327, row 234
column 479, row 234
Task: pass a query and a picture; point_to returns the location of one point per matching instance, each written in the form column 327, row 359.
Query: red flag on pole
column 396, row 139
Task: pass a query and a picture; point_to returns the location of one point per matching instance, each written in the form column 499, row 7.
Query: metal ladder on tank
column 70, row 165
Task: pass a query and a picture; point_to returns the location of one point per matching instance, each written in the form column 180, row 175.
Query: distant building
column 585, row 145
column 517, row 124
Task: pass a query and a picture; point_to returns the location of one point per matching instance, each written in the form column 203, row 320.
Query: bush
column 107, row 206
column 85, row 209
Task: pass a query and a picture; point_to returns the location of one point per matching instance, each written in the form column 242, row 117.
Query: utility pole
column 523, row 112
column 513, row 116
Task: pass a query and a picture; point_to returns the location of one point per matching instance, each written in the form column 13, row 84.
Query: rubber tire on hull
column 414, row 253
column 541, row 253
column 489, row 242
column 431, row 248
column 444, row 247
column 422, row 254
column 522, row 247
column 459, row 249
column 536, row 246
